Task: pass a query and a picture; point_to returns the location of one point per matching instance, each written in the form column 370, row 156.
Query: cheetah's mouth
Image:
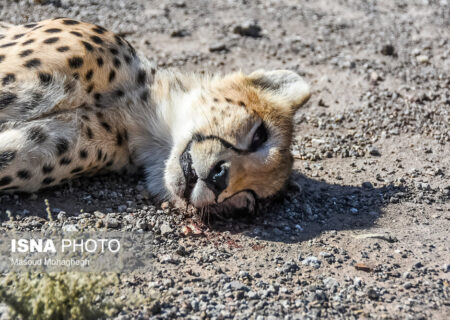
column 188, row 171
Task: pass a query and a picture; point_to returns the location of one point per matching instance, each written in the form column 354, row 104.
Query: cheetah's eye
column 259, row 137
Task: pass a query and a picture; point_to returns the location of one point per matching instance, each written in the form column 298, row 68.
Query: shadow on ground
column 307, row 208
column 311, row 207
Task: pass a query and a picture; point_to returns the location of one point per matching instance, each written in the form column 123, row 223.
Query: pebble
column 70, row 228
column 312, row 261
column 387, row 50
column 422, row 59
column 165, row 229
column 248, row 29
column 218, row 47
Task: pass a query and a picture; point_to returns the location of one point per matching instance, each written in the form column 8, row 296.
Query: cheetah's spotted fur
column 75, row 99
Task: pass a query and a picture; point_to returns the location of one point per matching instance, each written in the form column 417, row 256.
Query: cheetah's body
column 76, row 99
column 66, row 86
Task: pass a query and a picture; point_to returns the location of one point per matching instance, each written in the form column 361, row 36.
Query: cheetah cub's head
column 231, row 136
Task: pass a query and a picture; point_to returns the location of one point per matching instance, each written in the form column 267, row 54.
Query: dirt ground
column 363, row 229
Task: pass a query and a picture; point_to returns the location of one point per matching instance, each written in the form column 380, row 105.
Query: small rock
column 112, row 223
column 312, row 261
column 165, row 228
column 217, row 47
column 70, row 228
column 62, row 215
column 387, row 50
column 372, row 294
column 373, row 151
column 422, row 59
column 367, row 185
column 99, row 214
column 169, row 259
column 248, row 29
column 237, row 285
column 180, row 33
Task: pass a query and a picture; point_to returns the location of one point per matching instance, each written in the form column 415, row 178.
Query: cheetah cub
column 76, row 99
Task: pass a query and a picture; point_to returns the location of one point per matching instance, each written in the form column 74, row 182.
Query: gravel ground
column 363, row 229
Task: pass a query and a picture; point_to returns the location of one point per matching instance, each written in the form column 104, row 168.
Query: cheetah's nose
column 217, row 179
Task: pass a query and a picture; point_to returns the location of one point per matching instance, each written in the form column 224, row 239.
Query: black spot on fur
column 24, row 174
column 45, row 78
column 6, row 157
column 30, row 25
column 65, row 161
column 36, row 134
column 114, row 51
column 17, row 36
column 2, row 57
column 46, row 169
column 112, row 75
column 87, row 45
column 89, row 74
column 28, row 42
column 25, row 53
column 62, row 146
column 84, row 117
column 99, row 154
column 63, row 49
column 97, row 39
column 106, row 126
column 76, row 75
column 90, row 88
column 32, row 103
column 89, row 133
column 127, row 59
column 5, row 181
column 75, row 62
column 117, row 62
column 53, row 30
column 144, row 96
column 141, row 77
column 77, row 169
column 9, row 78
column 76, row 33
column 100, row 61
column 119, row 139
column 70, row 22
column 51, row 40
column 83, row 154
column 242, row 104
column 48, row 180
column 8, row 44
column 119, row 93
column 97, row 96
column 6, row 98
column 33, row 63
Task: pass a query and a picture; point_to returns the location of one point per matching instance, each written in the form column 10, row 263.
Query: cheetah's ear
column 284, row 86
